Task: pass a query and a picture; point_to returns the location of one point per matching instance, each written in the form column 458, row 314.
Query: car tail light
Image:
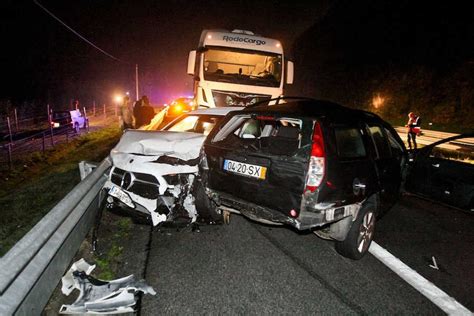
column 317, row 161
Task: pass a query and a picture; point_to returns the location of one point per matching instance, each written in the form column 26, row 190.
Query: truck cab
column 237, row 68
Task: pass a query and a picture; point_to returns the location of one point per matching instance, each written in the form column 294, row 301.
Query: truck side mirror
column 289, row 72
column 191, row 62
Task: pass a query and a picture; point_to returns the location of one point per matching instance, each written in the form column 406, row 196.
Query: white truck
column 237, row 68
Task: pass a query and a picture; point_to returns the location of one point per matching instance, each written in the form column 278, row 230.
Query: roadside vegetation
column 40, row 181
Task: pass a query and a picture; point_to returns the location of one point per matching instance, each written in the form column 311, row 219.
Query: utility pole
column 136, row 80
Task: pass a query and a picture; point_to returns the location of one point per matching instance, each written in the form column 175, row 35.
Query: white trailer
column 237, row 68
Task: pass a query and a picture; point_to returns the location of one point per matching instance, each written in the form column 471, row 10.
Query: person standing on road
column 147, row 110
column 143, row 112
column 126, row 113
column 413, row 126
column 75, row 105
column 138, row 113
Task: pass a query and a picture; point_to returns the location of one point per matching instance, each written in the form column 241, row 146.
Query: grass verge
column 29, row 192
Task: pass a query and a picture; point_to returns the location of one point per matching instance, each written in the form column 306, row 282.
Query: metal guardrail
column 31, row 270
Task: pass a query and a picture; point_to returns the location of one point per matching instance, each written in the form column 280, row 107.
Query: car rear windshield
column 61, row 115
column 267, row 134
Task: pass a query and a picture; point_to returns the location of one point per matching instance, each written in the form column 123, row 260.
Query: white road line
column 425, row 287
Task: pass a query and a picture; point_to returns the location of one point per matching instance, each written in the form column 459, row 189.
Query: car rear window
column 61, row 115
column 280, row 136
column 349, row 142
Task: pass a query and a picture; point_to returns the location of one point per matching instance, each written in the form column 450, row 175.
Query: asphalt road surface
column 250, row 268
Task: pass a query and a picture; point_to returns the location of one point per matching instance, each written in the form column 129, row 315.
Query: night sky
column 419, row 53
column 45, row 61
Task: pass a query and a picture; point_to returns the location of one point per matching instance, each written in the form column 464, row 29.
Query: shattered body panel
column 153, row 173
column 99, row 296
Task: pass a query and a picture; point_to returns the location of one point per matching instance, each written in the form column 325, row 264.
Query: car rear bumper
column 319, row 215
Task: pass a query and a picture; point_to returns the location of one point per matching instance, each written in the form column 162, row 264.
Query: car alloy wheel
column 361, row 233
column 366, row 232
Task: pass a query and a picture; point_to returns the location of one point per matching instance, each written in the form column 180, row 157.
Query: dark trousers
column 411, row 137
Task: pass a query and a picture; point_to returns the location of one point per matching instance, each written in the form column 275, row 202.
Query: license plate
column 121, row 195
column 245, row 169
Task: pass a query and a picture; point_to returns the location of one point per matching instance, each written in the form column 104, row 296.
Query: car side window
column 349, row 142
column 380, row 141
column 184, row 125
column 396, row 147
column 205, row 124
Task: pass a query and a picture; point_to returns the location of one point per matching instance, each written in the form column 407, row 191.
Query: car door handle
column 436, row 165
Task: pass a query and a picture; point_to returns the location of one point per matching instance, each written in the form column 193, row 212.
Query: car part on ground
column 99, row 296
column 313, row 165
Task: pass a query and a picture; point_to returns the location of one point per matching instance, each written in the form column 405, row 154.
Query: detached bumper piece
column 99, row 296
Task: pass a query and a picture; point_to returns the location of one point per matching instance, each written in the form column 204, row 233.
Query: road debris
column 434, row 265
column 99, row 296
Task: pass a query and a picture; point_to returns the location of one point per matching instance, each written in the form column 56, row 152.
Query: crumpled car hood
column 137, row 151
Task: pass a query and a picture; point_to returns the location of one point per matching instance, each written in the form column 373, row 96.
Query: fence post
column 9, row 130
column 51, row 129
column 16, row 120
column 48, row 114
column 105, row 114
column 86, row 118
column 93, row 107
column 9, row 156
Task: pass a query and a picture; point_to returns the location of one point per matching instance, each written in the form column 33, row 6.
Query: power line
column 76, row 33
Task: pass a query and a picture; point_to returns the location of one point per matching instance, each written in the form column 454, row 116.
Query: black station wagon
column 313, row 165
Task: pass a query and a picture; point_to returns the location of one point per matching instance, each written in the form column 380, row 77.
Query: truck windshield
column 249, row 68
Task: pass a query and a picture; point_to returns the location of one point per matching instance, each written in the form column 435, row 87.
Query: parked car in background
column 69, row 119
column 444, row 171
column 153, row 172
column 313, row 165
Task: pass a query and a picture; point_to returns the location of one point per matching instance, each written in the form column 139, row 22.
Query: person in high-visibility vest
column 414, row 129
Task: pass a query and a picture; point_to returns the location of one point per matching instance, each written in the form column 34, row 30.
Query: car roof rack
column 278, row 101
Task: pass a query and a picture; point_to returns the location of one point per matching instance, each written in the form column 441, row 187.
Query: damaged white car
column 153, row 172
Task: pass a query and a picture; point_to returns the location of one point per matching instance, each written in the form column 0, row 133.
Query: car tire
column 77, row 129
column 360, row 235
column 206, row 209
